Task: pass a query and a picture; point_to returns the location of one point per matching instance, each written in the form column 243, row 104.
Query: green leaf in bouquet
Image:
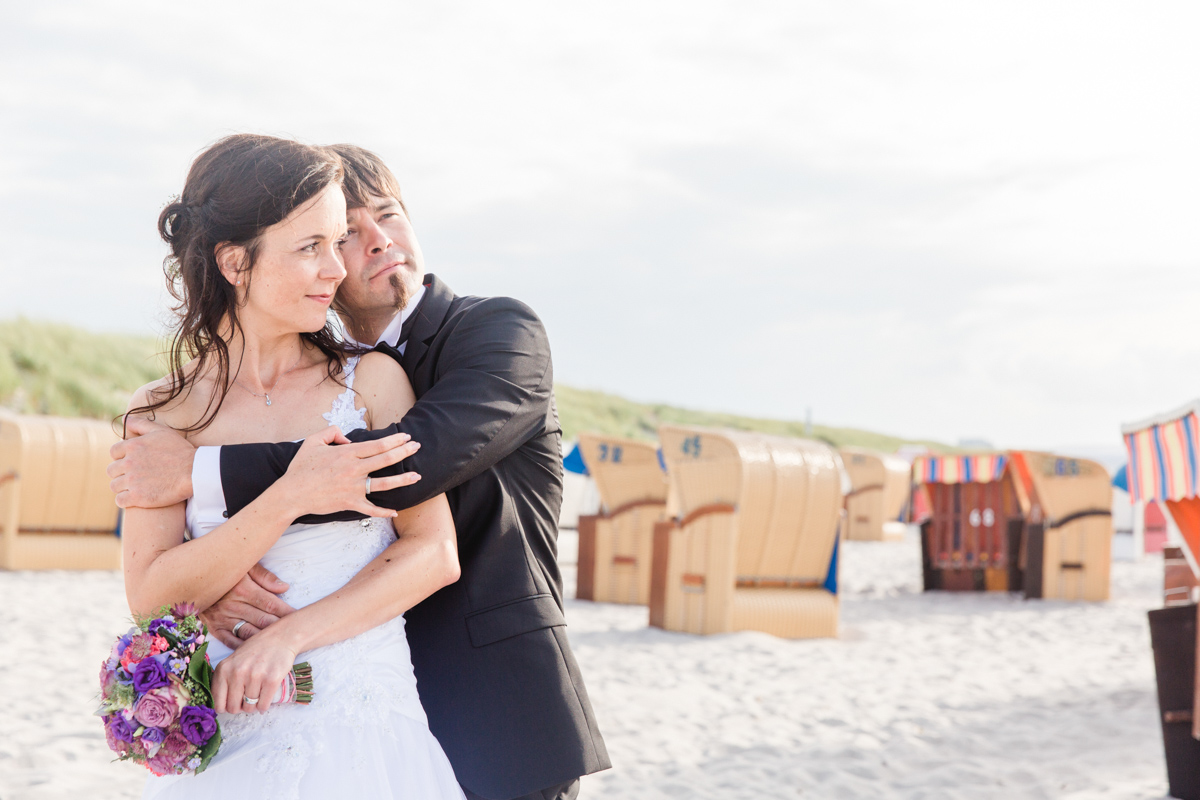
column 209, row 750
column 199, row 669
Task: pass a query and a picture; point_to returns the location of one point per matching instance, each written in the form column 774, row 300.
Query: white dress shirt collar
column 391, row 334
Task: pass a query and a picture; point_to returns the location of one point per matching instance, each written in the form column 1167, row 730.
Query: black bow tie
column 384, row 347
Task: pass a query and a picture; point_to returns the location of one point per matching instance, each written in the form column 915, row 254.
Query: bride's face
column 297, row 268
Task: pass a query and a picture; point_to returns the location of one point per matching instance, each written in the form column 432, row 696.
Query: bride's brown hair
column 234, row 191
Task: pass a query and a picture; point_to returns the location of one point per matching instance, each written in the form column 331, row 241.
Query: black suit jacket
column 495, row 672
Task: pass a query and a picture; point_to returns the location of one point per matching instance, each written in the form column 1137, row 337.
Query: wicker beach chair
column 879, row 486
column 56, row 507
column 615, row 545
column 752, row 542
column 1068, row 547
column 1018, row 521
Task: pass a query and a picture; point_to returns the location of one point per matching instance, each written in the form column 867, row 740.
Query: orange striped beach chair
column 1023, row 521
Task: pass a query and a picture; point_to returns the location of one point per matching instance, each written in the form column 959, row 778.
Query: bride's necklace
column 267, row 394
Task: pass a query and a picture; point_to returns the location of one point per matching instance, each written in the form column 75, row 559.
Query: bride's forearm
column 202, row 570
column 408, row 571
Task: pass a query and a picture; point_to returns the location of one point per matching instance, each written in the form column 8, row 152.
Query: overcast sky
column 937, row 219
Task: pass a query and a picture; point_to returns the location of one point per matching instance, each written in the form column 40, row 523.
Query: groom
column 499, row 684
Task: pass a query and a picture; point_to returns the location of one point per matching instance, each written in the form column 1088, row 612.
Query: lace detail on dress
column 344, row 414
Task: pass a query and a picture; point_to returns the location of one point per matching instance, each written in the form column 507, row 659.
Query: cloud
column 940, row 219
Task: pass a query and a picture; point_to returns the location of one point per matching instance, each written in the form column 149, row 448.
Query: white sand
column 923, row 696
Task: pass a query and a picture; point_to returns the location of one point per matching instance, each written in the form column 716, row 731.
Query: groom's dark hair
column 366, row 176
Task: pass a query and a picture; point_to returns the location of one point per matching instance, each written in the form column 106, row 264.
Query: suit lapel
column 430, row 316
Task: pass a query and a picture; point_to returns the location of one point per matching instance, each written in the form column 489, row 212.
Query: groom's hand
column 152, row 468
column 253, row 601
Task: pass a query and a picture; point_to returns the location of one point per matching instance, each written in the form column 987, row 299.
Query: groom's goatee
column 401, row 290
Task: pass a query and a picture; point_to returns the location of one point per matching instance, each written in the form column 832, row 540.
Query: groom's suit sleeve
column 492, row 392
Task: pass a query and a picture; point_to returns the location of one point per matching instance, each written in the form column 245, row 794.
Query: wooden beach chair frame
column 616, row 545
column 752, row 539
column 878, row 493
column 56, row 508
column 1023, row 521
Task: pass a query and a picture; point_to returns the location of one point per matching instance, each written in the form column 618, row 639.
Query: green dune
column 47, row 368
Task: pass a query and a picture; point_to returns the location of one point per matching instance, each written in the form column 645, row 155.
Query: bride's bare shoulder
column 181, row 409
column 383, row 388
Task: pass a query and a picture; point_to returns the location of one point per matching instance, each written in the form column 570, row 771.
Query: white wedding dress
column 365, row 735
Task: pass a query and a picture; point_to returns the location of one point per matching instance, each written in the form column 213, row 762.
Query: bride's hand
column 257, row 669
column 326, row 479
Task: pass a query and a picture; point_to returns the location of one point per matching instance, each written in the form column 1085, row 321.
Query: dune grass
column 583, row 410
column 60, row 370
column 46, row 368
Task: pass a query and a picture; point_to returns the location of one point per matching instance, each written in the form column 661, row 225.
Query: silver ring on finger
column 368, row 484
column 237, row 628
column 248, row 701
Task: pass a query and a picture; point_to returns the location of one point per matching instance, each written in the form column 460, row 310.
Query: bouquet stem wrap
column 297, row 686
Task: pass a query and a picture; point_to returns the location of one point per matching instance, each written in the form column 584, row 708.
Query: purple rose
column 149, row 674
column 198, row 724
column 115, row 743
column 157, row 708
column 157, row 625
column 154, row 735
column 120, row 728
column 152, row 739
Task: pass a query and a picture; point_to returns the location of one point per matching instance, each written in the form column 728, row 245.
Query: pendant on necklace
column 268, row 398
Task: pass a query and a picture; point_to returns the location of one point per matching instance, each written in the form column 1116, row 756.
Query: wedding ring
column 368, row 484
column 238, row 627
column 248, row 701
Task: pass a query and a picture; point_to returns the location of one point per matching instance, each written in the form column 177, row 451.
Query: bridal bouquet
column 156, row 691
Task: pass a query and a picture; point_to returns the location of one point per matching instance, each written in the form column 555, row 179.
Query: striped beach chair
column 1163, row 467
column 1017, row 521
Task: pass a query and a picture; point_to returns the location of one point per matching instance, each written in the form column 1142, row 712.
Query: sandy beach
column 923, row 695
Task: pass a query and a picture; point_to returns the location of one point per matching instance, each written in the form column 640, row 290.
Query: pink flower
column 157, row 708
column 175, row 751
column 181, row 610
column 139, row 647
column 108, row 679
column 161, row 764
column 158, row 645
column 178, row 746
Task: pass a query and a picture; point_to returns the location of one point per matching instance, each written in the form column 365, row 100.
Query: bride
column 254, row 266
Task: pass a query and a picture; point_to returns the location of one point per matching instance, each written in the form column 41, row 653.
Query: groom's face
column 384, row 266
